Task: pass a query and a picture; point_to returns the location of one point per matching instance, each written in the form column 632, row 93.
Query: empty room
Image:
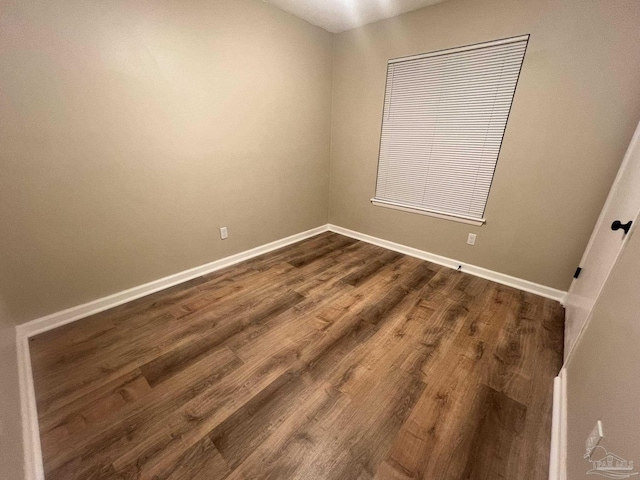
column 319, row 239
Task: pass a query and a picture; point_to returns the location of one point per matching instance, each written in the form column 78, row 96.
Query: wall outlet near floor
column 471, row 239
column 223, row 233
column 593, row 439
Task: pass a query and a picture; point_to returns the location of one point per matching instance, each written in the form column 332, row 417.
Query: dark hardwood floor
column 328, row 359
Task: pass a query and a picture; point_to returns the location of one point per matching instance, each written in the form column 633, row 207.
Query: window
column 444, row 117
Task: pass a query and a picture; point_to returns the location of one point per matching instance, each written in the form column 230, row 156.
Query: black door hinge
column 577, row 274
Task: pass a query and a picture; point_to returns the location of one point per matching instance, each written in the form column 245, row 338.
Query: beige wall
column 10, row 426
column 131, row 131
column 602, row 373
column 575, row 110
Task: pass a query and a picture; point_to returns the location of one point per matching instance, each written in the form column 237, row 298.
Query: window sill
column 445, row 216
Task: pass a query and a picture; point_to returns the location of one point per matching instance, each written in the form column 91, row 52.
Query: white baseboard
column 33, row 467
column 497, row 277
column 31, row 437
column 72, row 314
column 558, row 450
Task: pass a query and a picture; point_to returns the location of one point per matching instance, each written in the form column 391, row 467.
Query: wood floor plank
column 327, row 359
column 80, row 415
column 495, row 445
column 137, row 347
column 117, row 432
column 168, row 364
column 200, row 462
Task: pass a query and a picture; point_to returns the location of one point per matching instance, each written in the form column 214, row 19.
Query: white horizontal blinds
column 444, row 118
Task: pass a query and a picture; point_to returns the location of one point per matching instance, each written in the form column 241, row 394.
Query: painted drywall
column 11, row 455
column 602, row 373
column 574, row 113
column 131, row 131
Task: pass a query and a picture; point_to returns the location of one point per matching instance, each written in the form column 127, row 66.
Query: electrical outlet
column 223, row 233
column 593, row 439
column 471, row 239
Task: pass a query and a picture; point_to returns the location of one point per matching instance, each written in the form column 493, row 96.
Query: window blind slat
column 444, row 117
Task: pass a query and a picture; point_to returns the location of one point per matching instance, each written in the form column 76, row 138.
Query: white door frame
column 634, row 144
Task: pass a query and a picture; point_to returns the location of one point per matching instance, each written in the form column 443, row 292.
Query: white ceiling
column 340, row 15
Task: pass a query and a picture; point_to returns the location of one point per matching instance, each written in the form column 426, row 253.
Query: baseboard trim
column 497, row 277
column 33, row 467
column 558, row 450
column 72, row 314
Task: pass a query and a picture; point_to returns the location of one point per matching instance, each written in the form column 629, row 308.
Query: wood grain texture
column 327, row 359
